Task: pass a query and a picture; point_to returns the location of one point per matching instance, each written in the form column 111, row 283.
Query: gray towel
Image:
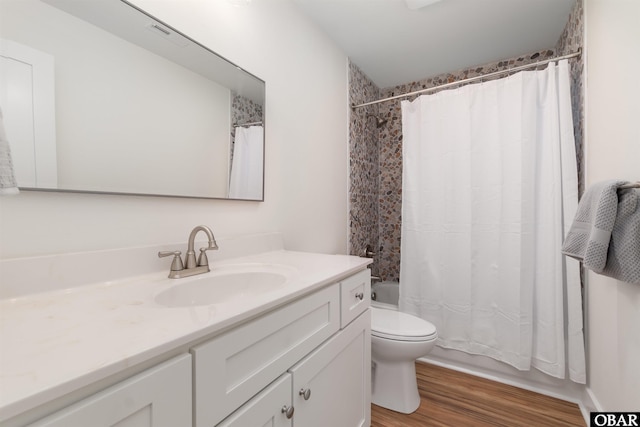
column 605, row 234
column 623, row 259
column 8, row 184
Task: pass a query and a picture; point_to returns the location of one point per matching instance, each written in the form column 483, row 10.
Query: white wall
column 613, row 151
column 306, row 148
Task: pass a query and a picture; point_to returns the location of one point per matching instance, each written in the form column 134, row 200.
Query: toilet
column 397, row 340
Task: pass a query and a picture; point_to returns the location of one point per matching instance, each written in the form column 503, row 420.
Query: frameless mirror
column 99, row 96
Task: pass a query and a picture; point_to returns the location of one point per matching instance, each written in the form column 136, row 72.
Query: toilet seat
column 398, row 326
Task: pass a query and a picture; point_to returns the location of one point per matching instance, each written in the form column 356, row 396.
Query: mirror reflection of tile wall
column 243, row 110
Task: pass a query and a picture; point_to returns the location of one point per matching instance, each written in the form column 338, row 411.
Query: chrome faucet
column 178, row 269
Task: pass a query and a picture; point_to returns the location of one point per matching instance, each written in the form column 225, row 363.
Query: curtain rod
column 247, row 124
column 471, row 79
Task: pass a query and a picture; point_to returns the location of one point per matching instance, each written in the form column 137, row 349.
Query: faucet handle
column 202, row 259
column 176, row 264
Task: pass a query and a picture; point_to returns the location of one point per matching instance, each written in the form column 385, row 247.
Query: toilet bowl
column 397, row 340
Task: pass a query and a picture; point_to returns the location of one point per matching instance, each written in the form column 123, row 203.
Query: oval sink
column 207, row 290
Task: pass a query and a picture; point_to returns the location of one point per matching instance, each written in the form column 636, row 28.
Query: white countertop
column 57, row 342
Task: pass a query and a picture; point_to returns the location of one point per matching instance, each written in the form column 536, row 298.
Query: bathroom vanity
column 116, row 353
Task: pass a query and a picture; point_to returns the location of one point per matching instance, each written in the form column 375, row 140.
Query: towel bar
column 630, row 185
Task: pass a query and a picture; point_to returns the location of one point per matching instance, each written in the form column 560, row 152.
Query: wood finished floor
column 450, row 398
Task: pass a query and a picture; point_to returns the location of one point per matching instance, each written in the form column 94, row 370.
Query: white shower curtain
column 489, row 191
column 246, row 177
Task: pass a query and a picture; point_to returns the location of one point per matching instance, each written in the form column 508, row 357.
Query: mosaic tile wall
column 571, row 41
column 364, row 167
column 388, row 140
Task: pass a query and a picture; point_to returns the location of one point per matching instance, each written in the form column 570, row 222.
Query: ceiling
column 393, row 44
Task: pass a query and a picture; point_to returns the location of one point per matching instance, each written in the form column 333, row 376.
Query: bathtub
column 385, row 295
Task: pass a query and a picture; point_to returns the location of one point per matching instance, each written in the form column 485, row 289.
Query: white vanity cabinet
column 329, row 387
column 158, row 397
column 327, row 382
column 305, row 363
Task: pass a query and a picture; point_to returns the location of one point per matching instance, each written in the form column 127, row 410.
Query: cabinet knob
column 288, row 411
column 360, row 296
column 305, row 393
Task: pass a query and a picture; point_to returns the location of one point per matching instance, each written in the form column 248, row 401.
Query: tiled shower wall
column 570, row 41
column 376, row 154
column 364, row 166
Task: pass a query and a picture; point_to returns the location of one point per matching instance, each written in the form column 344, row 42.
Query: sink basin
column 220, row 287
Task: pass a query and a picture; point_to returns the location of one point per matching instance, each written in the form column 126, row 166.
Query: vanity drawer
column 355, row 295
column 229, row 369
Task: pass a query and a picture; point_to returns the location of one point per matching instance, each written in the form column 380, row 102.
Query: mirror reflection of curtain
column 247, row 166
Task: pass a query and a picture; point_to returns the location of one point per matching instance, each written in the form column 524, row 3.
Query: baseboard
column 591, row 403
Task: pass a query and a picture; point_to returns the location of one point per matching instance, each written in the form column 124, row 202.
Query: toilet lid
column 400, row 326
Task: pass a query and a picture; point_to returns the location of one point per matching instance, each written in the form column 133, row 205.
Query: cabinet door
column 332, row 386
column 268, row 409
column 158, row 397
